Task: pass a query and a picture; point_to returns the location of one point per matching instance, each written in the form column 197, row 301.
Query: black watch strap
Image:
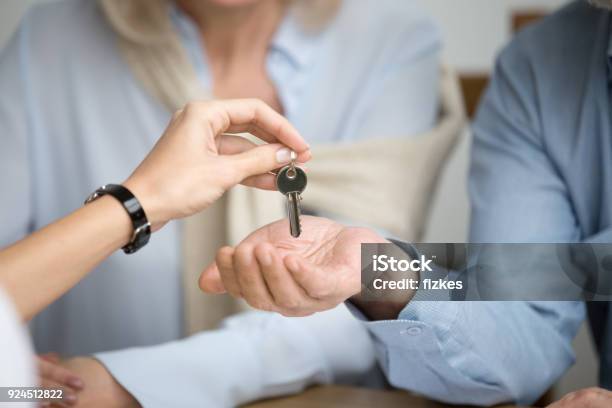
column 140, row 223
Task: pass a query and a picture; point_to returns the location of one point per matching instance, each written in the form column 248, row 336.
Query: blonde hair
column 153, row 49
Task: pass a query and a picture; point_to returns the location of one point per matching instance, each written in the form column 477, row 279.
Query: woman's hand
column 296, row 277
column 54, row 376
column 97, row 389
column 195, row 162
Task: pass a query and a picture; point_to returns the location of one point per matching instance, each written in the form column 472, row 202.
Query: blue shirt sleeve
column 491, row 352
column 15, row 180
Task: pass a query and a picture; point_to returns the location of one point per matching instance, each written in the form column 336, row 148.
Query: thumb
column 210, row 280
column 261, row 159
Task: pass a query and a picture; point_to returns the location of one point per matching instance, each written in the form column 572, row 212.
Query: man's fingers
column 57, row 373
column 210, row 280
column 250, row 279
column 287, row 295
column 316, row 285
column 225, row 265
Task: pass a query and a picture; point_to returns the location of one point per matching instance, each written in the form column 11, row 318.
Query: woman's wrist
column 148, row 201
column 140, row 223
column 121, row 220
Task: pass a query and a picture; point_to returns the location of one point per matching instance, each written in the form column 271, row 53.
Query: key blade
column 293, row 213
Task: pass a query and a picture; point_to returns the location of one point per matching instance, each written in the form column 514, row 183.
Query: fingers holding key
column 256, row 117
column 194, row 162
column 261, row 181
column 254, row 159
column 258, row 160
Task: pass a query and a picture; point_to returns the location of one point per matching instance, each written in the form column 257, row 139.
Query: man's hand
column 586, row 398
column 295, row 277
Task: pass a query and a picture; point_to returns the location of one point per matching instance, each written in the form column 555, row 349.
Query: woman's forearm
column 40, row 268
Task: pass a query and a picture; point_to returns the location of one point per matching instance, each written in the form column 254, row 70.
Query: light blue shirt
column 72, row 117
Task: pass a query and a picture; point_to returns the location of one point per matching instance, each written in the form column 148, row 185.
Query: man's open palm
column 294, row 276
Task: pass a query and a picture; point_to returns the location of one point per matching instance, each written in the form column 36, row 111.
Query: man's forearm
column 391, row 302
column 378, row 310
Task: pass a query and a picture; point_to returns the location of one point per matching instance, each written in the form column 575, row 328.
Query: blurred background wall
column 473, row 31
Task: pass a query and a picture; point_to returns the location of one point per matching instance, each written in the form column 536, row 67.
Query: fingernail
column 283, row 155
column 75, row 383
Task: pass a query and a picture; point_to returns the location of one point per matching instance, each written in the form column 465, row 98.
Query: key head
column 291, row 179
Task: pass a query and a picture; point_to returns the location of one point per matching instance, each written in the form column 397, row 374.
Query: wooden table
column 334, row 396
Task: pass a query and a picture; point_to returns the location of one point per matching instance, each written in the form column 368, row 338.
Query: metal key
column 291, row 181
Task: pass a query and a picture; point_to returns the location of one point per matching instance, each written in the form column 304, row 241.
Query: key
column 291, row 181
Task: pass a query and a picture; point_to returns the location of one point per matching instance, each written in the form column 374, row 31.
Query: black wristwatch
column 140, row 223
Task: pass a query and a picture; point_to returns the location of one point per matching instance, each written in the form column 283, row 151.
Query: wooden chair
column 472, row 85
